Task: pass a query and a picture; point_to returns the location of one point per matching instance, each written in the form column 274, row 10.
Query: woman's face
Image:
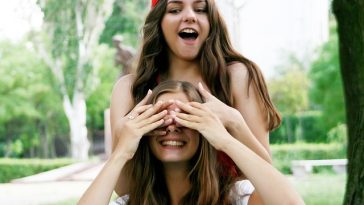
column 185, row 27
column 179, row 144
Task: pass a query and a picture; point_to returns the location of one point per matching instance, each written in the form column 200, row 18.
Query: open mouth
column 188, row 34
column 172, row 143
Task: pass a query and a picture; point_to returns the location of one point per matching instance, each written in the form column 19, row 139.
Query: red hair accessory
column 154, row 2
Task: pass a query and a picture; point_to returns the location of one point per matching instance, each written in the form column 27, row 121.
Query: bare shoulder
column 237, row 69
column 239, row 79
column 247, row 101
column 121, row 97
column 124, row 83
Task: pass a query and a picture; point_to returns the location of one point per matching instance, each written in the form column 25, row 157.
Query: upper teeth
column 188, row 30
column 172, row 143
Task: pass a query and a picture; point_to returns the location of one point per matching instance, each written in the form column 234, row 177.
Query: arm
column 102, row 187
column 251, row 112
column 271, row 186
column 121, row 104
column 246, row 121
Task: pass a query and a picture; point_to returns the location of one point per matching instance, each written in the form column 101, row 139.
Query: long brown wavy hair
column 147, row 182
column 215, row 56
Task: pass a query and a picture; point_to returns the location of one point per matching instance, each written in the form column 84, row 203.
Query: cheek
column 166, row 28
column 195, row 138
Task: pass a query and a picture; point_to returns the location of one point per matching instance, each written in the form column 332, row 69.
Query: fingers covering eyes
column 194, row 108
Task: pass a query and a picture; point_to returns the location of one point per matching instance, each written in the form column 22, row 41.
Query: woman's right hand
column 141, row 120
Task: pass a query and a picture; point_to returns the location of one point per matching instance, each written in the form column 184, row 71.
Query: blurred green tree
column 326, row 90
column 67, row 45
column 126, row 19
column 30, row 109
column 289, row 92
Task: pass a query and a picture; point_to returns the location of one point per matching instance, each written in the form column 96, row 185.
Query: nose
column 172, row 128
column 189, row 15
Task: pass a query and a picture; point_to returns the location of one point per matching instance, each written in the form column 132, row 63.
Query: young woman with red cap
column 180, row 167
column 187, row 40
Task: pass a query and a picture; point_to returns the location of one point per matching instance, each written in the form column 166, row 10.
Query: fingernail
column 177, row 110
column 173, row 113
column 149, row 91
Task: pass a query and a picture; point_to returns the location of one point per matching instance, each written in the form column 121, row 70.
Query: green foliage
column 326, row 91
column 17, row 168
column 126, row 19
column 30, row 111
column 61, row 39
column 338, row 134
column 289, row 88
column 301, row 127
column 99, row 100
column 283, row 154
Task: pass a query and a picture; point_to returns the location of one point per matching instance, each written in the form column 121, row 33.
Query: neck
column 176, row 176
column 183, row 70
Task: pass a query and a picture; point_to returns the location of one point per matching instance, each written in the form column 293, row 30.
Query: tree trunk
column 350, row 18
column 76, row 115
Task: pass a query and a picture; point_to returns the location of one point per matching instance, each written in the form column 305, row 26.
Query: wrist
column 233, row 120
column 120, row 157
column 228, row 142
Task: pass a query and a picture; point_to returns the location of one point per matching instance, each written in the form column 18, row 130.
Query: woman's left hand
column 224, row 112
column 199, row 117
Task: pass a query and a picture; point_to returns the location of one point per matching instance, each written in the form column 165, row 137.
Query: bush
column 283, row 154
column 17, row 168
column 338, row 134
column 302, row 127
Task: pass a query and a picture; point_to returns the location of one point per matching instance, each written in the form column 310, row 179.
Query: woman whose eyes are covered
column 180, row 167
column 187, row 40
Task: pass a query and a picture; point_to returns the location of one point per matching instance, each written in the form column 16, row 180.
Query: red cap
column 154, row 2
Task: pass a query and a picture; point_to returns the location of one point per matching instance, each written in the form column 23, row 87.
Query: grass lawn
column 321, row 189
column 316, row 189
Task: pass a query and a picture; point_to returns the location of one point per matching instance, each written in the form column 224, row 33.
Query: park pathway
column 50, row 187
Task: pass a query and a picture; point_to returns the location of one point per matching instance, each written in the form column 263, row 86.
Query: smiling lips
column 173, row 143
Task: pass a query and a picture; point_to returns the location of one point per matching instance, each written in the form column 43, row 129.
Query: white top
column 239, row 194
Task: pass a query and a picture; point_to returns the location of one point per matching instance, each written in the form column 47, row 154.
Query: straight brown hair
column 147, row 183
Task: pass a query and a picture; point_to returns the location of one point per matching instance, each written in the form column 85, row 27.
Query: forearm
column 237, row 127
column 121, row 187
column 101, row 188
column 272, row 186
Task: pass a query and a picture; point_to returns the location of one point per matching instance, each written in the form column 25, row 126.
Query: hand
column 223, row 111
column 141, row 120
column 168, row 120
column 199, row 117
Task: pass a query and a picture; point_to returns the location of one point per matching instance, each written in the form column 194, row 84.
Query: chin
column 173, row 158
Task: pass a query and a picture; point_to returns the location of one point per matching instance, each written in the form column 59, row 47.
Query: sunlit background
column 294, row 42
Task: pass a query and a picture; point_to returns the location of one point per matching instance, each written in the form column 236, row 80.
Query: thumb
column 205, row 94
